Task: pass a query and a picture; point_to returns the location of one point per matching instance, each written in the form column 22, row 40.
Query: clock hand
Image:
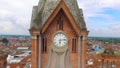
column 59, row 42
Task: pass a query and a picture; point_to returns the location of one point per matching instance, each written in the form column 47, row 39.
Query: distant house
column 97, row 47
column 3, row 60
column 19, row 55
column 23, row 48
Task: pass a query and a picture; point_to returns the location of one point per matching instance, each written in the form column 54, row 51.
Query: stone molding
column 33, row 36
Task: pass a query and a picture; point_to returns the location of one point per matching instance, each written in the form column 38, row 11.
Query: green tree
column 5, row 41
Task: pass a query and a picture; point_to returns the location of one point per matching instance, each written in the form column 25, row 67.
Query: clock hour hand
column 59, row 41
column 64, row 39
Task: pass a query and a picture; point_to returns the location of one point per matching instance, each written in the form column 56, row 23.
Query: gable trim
column 68, row 14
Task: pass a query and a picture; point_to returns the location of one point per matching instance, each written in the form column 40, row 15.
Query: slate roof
column 41, row 13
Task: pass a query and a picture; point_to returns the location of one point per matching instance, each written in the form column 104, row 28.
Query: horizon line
column 29, row 35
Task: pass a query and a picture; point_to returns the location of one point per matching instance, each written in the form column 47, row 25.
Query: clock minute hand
column 60, row 42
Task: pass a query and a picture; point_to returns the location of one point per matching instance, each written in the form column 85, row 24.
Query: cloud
column 114, row 4
column 97, row 7
column 10, row 27
column 106, row 30
column 13, row 24
column 15, row 16
column 100, row 16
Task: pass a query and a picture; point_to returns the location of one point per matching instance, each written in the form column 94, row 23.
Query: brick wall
column 68, row 30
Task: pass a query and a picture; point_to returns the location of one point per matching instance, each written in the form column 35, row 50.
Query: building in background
column 3, row 59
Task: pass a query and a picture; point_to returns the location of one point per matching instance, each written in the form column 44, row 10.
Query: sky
column 102, row 17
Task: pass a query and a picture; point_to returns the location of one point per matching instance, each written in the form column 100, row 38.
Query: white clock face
column 60, row 39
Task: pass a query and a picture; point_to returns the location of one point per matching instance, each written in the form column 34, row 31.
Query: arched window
column 44, row 45
column 60, row 23
column 74, row 45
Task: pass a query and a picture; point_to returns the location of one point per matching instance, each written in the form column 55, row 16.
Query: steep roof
column 41, row 13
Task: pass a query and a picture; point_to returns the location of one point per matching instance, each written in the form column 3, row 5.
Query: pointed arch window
column 74, row 45
column 44, row 45
column 60, row 23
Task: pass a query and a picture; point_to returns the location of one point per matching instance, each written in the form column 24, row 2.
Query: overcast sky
column 102, row 16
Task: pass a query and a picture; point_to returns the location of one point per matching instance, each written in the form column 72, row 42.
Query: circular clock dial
column 60, row 39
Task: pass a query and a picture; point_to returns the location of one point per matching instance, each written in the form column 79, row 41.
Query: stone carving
column 61, row 58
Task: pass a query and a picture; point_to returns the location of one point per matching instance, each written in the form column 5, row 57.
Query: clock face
column 60, row 39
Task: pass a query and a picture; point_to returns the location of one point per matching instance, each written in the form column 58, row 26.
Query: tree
column 5, row 41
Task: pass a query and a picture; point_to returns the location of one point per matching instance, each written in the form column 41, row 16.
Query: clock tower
column 58, row 35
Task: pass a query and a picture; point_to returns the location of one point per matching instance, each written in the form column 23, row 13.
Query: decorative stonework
column 79, row 50
column 61, row 59
column 33, row 36
column 84, row 37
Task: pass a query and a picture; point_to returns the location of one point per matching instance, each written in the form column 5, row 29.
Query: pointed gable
column 43, row 11
column 46, row 7
column 61, row 6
